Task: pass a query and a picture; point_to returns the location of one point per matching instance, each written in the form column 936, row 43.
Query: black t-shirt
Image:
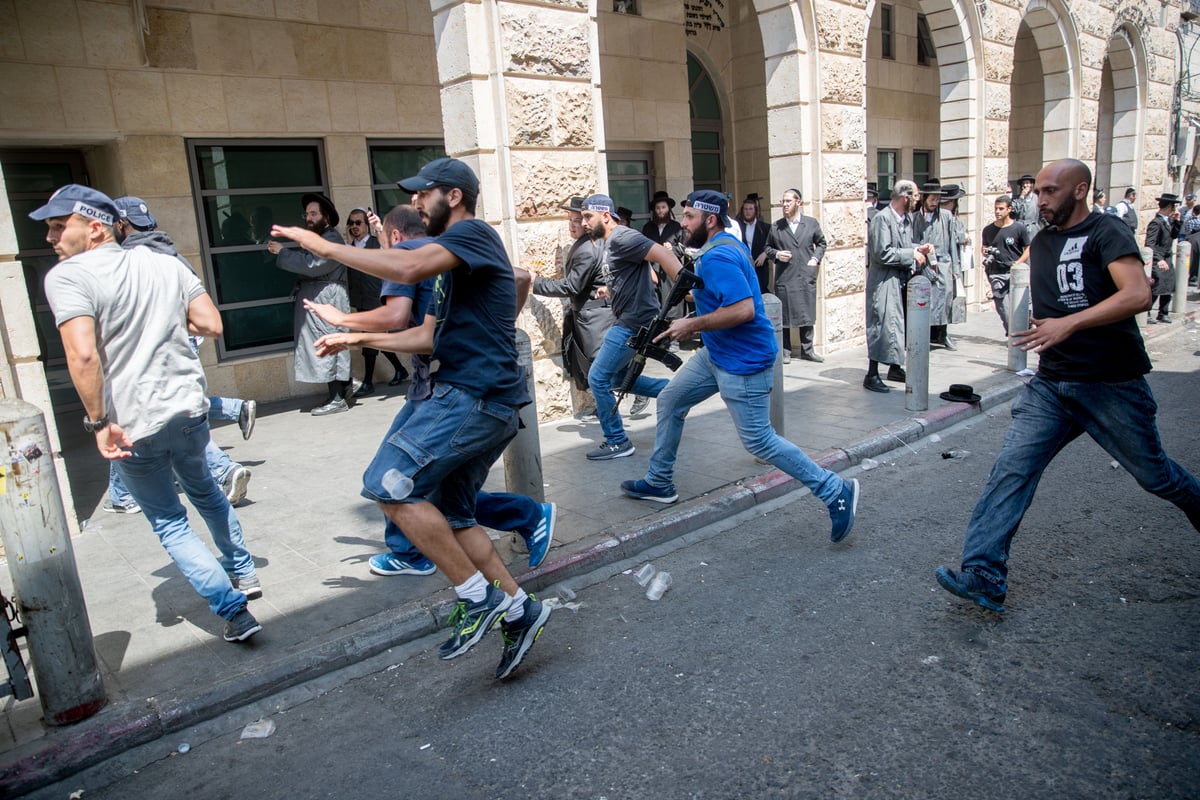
column 1068, row 274
column 1011, row 241
column 474, row 348
column 623, row 263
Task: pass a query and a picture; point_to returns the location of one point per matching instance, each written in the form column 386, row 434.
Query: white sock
column 474, row 589
column 517, row 609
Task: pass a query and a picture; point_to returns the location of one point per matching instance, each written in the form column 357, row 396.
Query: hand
column 333, row 343
column 304, row 237
column 329, row 313
column 111, row 441
column 601, row 293
column 376, row 224
column 680, row 329
column 1043, row 333
column 1162, row 264
column 274, row 247
column 762, row 259
column 812, row 262
column 783, row 255
column 919, row 257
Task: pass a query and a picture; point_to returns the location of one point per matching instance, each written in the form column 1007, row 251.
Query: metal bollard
column 1183, row 265
column 916, row 338
column 773, row 307
column 1018, row 314
column 523, row 456
column 49, row 597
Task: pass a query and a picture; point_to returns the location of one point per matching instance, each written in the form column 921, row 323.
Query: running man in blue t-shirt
column 427, row 474
column 737, row 360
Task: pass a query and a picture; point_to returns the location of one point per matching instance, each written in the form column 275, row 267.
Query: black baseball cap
column 447, row 172
column 710, row 201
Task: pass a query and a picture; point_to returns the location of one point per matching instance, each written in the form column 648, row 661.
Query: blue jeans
column 499, row 511
column 1047, row 416
column 748, row 398
column 219, row 464
column 177, row 451
column 445, row 444
column 224, row 408
column 606, row 374
column 118, row 495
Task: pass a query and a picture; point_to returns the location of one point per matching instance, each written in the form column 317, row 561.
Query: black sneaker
column 241, row 627
column 521, row 635
column 472, row 620
column 608, row 451
column 843, row 510
column 970, row 586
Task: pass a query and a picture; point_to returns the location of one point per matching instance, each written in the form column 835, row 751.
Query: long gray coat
column 321, row 280
column 1161, row 234
column 889, row 264
column 942, row 233
column 795, row 280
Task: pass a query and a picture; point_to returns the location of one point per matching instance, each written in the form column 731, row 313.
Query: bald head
column 1063, row 188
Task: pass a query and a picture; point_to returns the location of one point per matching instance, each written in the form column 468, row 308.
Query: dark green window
column 925, row 50
column 922, row 166
column 242, row 188
column 708, row 170
column 887, row 171
column 394, row 161
column 887, row 31
column 630, row 175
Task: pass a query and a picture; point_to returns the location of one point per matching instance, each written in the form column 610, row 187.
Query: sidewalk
column 164, row 662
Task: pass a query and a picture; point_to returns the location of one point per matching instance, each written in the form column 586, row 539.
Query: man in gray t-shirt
column 623, row 256
column 124, row 316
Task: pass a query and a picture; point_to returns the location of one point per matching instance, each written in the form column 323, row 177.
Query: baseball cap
column 448, row 172
column 710, row 201
column 135, row 210
column 600, row 202
column 76, row 199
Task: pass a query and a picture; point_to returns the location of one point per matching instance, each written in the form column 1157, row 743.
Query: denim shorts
column 446, row 445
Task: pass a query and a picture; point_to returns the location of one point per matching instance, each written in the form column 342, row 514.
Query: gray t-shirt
column 139, row 300
column 623, row 264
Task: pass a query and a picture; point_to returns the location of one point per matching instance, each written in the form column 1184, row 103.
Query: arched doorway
column 1044, row 121
column 1119, row 128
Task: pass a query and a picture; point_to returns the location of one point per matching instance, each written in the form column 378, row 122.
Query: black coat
column 587, row 319
column 757, row 246
column 796, row 280
column 1161, row 234
column 364, row 288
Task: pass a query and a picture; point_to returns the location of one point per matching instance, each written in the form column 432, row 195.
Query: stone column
column 520, row 99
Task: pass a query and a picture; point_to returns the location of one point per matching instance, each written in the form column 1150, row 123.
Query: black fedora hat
column 664, row 197
column 574, row 204
column 873, row 188
column 960, row 393
column 324, row 203
column 1168, row 198
column 1026, row 177
column 952, row 191
column 932, row 186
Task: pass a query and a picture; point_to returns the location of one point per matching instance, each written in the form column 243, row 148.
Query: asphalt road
column 779, row 665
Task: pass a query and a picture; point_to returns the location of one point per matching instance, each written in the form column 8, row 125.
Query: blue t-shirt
column 474, row 347
column 729, row 278
column 421, row 293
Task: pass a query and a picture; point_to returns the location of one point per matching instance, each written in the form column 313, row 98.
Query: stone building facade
column 220, row 113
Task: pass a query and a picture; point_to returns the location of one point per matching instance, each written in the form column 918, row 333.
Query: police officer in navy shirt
column 1088, row 285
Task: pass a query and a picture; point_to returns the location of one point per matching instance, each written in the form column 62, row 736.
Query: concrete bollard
column 523, row 456
column 49, row 597
column 773, row 307
column 916, row 338
column 1183, row 265
column 1018, row 314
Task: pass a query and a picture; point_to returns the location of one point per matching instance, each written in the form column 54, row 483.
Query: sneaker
column 472, row 620
column 241, row 627
column 335, row 406
column 640, row 401
column 608, row 451
column 235, row 484
column 249, row 586
column 392, row 564
column 640, row 490
column 246, row 417
column 843, row 510
column 122, row 508
column 539, row 541
column 970, row 586
column 521, row 635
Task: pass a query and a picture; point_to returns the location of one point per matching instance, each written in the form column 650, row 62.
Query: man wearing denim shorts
column 428, row 471
column 737, row 361
column 124, row 316
column 1088, row 285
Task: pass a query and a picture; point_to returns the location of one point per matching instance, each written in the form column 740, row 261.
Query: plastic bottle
column 658, row 586
column 956, row 454
column 397, row 484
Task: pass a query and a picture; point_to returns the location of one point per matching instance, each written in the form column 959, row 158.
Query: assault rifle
column 642, row 342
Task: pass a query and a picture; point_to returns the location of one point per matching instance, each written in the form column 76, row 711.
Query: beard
column 597, row 231
column 317, row 227
column 437, row 215
column 697, row 238
column 1059, row 216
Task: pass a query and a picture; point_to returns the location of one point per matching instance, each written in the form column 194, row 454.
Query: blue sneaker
column 472, row 620
column 843, row 510
column 392, row 564
column 640, row 490
column 539, row 541
column 976, row 588
column 521, row 635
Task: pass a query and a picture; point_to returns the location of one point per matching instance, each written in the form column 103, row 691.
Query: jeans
column 219, row 464
column 748, row 398
column 606, row 374
column 177, row 452
column 1047, row 416
column 229, row 408
column 118, row 495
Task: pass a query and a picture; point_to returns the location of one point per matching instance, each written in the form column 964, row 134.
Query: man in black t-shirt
column 428, row 471
column 1004, row 241
column 1088, row 284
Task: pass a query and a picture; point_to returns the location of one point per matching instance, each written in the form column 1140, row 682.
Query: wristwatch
column 92, row 427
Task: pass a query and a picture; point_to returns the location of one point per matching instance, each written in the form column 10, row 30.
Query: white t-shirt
column 139, row 300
